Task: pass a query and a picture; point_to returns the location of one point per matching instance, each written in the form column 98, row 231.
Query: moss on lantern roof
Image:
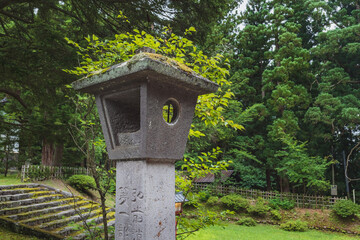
column 145, row 64
column 163, row 59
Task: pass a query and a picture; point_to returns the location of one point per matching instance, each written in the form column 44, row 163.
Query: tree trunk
column 6, row 161
column 280, row 183
column 268, row 180
column 52, row 153
column 47, row 153
column 59, row 150
column 286, row 185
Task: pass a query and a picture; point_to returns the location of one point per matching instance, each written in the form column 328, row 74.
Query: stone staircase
column 45, row 212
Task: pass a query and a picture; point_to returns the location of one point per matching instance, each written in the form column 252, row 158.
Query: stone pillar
column 144, row 200
column 133, row 99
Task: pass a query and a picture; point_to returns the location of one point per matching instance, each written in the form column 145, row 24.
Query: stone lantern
column 146, row 106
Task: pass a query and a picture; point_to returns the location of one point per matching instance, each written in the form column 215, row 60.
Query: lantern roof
column 140, row 67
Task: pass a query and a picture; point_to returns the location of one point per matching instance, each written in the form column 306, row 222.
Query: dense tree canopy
column 34, row 53
column 295, row 74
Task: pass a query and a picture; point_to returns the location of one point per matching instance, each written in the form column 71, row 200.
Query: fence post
column 22, row 173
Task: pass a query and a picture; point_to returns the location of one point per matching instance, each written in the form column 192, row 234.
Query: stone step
column 58, row 215
column 72, row 219
column 22, row 196
column 49, row 213
column 72, row 231
column 83, row 235
column 7, row 187
column 38, row 206
column 47, row 210
column 20, row 190
column 46, row 198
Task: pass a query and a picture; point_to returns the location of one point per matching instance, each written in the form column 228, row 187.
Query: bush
column 212, row 200
column 203, row 196
column 285, row 204
column 275, row 214
column 345, row 208
column 260, row 208
column 82, row 183
column 248, row 221
column 294, row 226
column 39, row 173
column 235, row 202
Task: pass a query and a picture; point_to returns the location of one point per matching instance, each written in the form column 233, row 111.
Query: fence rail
column 39, row 173
column 301, row 201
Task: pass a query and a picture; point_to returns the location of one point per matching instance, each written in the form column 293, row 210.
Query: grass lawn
column 10, row 179
column 263, row 232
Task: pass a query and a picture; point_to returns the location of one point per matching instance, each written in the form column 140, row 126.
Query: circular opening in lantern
column 170, row 111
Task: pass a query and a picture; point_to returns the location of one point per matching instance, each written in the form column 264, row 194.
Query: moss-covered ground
column 8, row 235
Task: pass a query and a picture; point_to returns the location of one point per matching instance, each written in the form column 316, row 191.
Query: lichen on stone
column 160, row 58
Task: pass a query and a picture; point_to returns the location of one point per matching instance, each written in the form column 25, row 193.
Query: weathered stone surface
column 48, row 214
column 133, row 123
column 130, row 98
column 145, row 200
column 138, row 69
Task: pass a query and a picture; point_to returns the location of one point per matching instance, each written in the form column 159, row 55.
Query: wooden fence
column 301, row 201
column 39, row 173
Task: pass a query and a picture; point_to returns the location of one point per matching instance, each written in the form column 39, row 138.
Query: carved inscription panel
column 130, row 207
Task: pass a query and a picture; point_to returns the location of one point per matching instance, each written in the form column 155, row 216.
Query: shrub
column 39, row 173
column 345, row 208
column 235, row 202
column 294, row 226
column 260, row 208
column 212, row 200
column 275, row 214
column 248, row 221
column 82, row 183
column 203, row 196
column 285, row 204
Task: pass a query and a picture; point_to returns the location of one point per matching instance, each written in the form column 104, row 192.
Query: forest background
column 295, row 74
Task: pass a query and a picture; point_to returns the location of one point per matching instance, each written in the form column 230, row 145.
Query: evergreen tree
column 273, row 78
column 336, row 108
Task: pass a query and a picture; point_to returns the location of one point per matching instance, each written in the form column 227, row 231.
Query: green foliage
column 107, row 179
column 197, row 167
column 203, row 196
column 82, row 183
column 300, row 168
column 39, row 173
column 275, row 214
column 187, row 224
column 285, row 204
column 235, row 202
column 294, row 226
column 99, row 55
column 91, row 230
column 260, row 208
column 247, row 221
column 212, row 201
column 345, row 208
